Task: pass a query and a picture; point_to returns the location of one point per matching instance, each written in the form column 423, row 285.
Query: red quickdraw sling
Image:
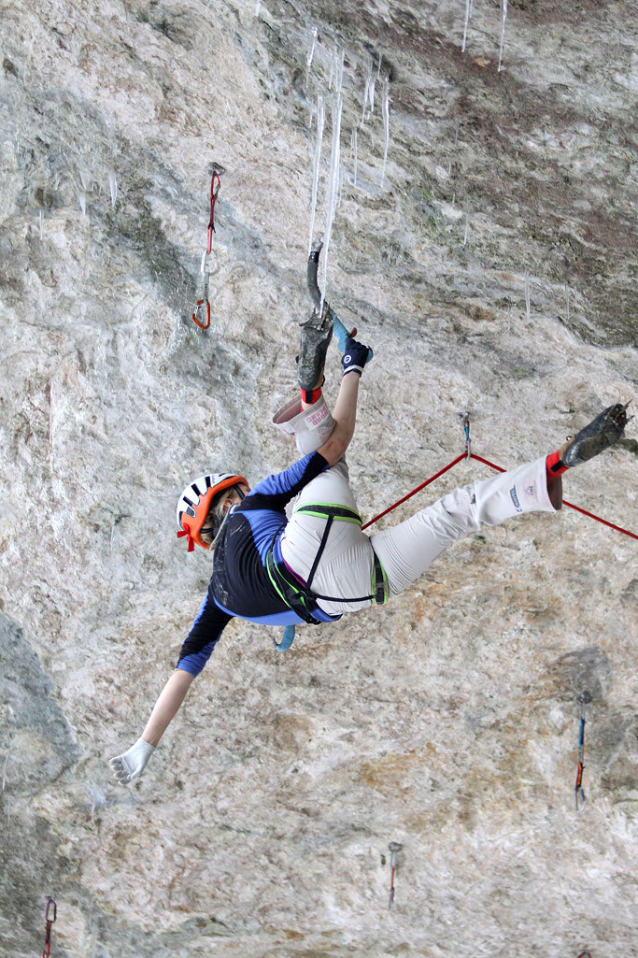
column 50, row 916
column 467, row 455
column 201, row 316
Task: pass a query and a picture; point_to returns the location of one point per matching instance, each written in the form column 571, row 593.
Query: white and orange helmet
column 194, row 504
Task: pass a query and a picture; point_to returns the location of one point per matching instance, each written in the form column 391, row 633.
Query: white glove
column 131, row 765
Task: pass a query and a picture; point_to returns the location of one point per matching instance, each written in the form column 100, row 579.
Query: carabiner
column 50, row 902
column 199, row 309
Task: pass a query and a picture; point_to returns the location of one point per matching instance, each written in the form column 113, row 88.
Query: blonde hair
column 215, row 517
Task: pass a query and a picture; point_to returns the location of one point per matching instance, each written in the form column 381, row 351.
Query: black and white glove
column 355, row 356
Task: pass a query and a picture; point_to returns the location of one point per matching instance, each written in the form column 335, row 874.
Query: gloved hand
column 355, row 357
column 131, row 764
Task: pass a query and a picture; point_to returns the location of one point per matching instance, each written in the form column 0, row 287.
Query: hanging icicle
column 385, row 106
column 503, row 19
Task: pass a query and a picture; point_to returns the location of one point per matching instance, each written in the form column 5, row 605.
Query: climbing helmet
column 195, row 502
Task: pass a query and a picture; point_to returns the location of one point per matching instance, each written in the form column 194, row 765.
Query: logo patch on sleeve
column 517, row 504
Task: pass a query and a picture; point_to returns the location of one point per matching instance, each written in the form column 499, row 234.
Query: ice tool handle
column 340, row 331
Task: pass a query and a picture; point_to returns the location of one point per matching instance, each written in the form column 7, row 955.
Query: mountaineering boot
column 314, row 340
column 601, row 433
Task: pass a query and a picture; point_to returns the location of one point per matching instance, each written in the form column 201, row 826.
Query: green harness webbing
column 301, row 599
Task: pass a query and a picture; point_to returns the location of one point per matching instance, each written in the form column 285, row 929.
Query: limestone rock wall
column 490, row 262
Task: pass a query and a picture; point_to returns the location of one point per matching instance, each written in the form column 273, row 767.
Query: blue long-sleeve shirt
column 240, row 584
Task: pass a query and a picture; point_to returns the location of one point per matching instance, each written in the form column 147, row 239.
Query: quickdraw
column 579, row 793
column 48, row 922
column 214, row 193
column 201, row 316
column 395, row 848
column 466, row 429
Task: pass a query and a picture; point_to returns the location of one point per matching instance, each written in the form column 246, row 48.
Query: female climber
column 318, row 564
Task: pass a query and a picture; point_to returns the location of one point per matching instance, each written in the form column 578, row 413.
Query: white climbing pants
column 406, row 550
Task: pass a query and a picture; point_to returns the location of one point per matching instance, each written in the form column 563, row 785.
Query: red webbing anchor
column 467, row 455
column 48, row 922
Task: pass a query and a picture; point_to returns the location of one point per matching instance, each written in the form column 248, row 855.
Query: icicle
column 456, row 140
column 311, row 51
column 82, row 202
column 467, row 226
column 333, row 186
column 339, row 57
column 567, row 296
column 385, row 108
column 528, row 301
column 468, row 14
column 113, row 188
column 41, row 224
column 354, row 158
column 257, row 7
column 316, row 167
column 503, row 19
column 368, row 93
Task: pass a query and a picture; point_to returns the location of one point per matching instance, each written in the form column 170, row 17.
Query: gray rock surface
column 491, row 263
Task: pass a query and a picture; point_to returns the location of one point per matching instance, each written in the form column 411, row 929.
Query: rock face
column 484, row 245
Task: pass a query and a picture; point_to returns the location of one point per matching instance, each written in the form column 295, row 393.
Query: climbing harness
column 201, row 316
column 395, row 848
column 48, row 922
column 579, row 794
column 298, row 595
